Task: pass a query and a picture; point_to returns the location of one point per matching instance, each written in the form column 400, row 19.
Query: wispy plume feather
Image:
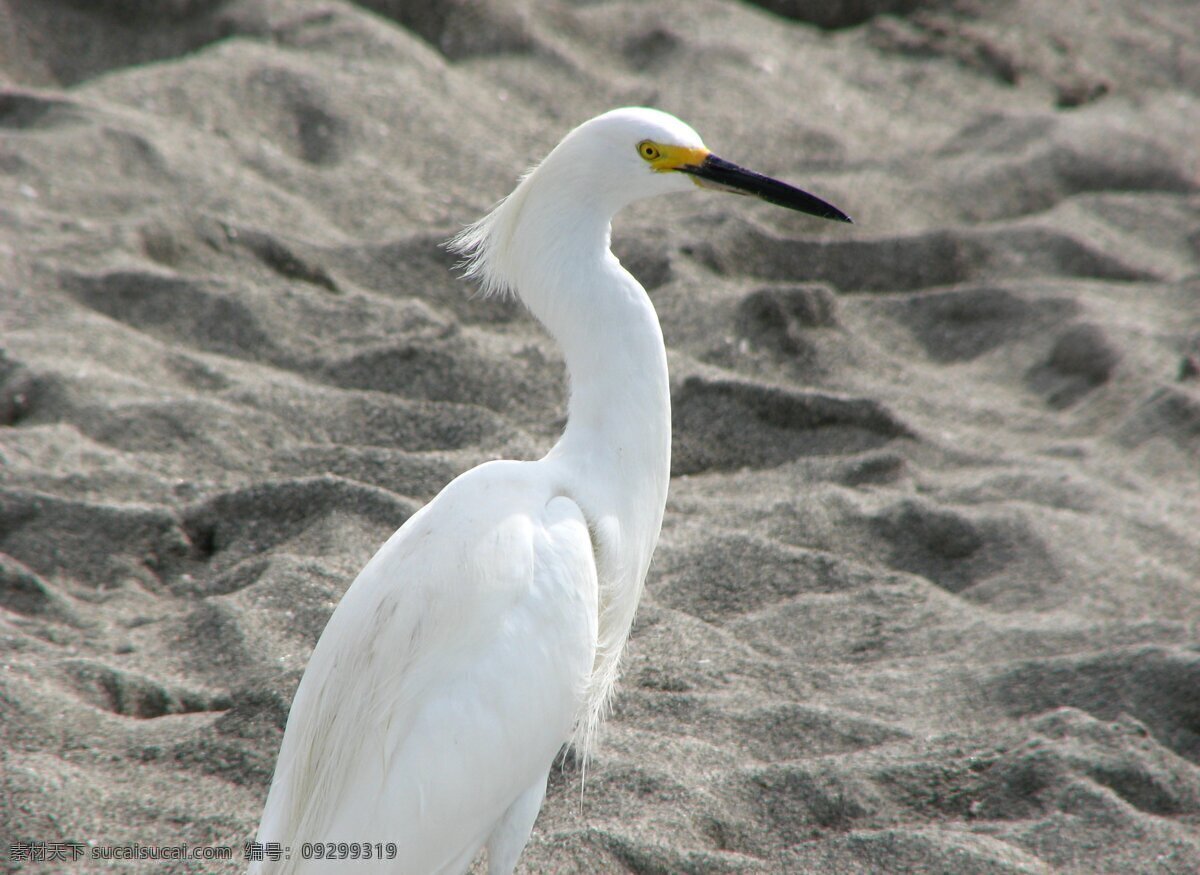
column 486, row 245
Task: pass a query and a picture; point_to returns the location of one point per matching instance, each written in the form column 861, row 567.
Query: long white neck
column 614, row 456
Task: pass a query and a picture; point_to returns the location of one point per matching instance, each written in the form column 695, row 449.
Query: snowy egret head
column 637, row 152
column 599, row 168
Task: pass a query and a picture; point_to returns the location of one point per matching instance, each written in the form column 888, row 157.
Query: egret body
column 487, row 632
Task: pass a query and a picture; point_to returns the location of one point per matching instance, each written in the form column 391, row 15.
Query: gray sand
column 928, row 592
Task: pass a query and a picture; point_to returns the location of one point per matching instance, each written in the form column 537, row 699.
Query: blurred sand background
column 928, row 592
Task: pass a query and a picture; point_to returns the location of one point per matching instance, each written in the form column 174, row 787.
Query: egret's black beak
column 714, row 172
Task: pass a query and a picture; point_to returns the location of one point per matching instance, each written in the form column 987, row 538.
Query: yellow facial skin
column 663, row 158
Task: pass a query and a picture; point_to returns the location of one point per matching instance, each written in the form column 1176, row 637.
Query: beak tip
column 836, row 215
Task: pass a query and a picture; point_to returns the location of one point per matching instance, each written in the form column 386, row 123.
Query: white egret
column 487, row 632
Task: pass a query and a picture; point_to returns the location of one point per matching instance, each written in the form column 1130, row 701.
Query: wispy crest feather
column 486, row 244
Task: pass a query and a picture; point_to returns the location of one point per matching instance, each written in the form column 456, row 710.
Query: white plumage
column 488, row 631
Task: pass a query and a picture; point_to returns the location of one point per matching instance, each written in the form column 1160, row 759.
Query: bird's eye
column 649, row 151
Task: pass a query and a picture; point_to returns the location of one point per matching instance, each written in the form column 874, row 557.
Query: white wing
column 447, row 679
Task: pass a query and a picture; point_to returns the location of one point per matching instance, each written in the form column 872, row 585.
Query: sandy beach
column 927, row 597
